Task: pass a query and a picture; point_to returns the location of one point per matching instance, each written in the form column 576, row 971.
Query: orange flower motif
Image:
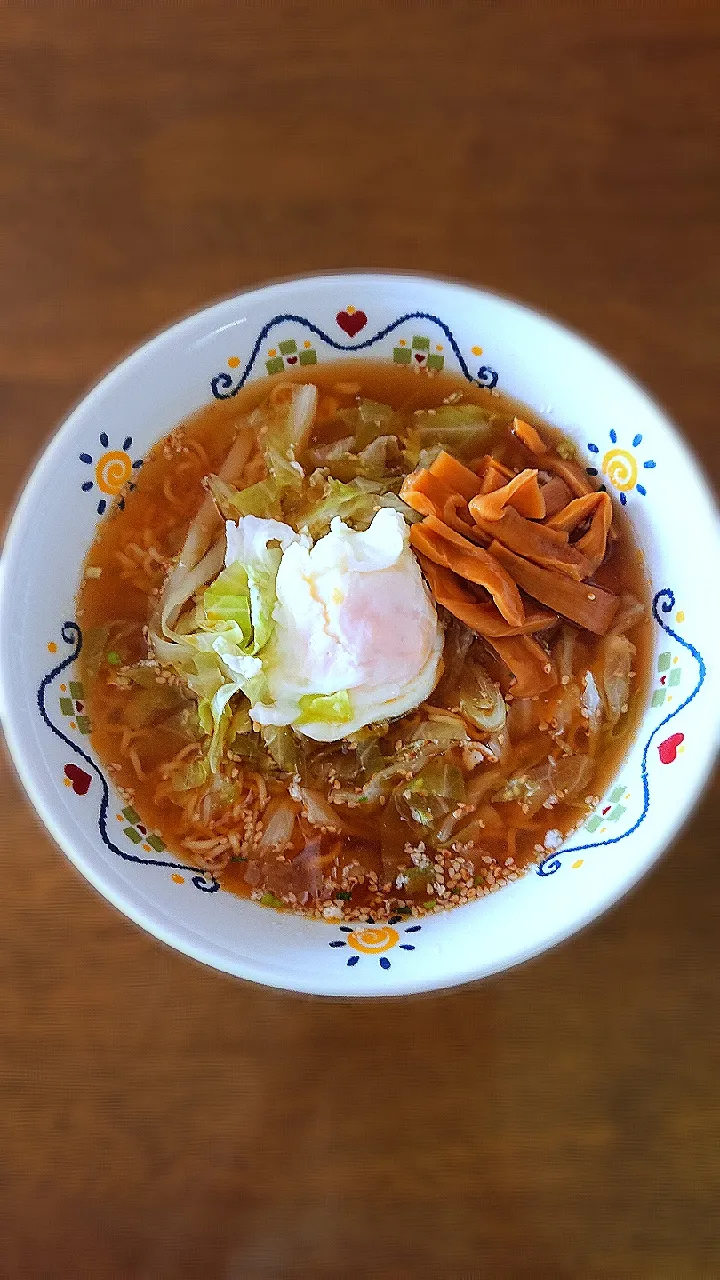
column 113, row 471
column 373, row 939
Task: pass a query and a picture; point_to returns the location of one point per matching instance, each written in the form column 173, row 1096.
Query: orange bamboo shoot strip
column 577, row 511
column 493, row 479
column 492, row 474
column 456, row 514
column 598, row 508
column 522, row 493
column 573, row 475
column 424, row 493
column 547, row 547
column 529, row 436
column 528, row 662
column 556, row 495
column 443, row 530
column 582, row 602
column 421, row 481
column 456, row 477
column 473, row 564
column 427, row 495
column 486, row 619
column 593, row 544
column 570, row 472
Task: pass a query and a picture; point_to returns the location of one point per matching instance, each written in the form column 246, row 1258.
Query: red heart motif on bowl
column 79, row 778
column 292, row 359
column 419, row 356
column 668, row 749
column 351, row 322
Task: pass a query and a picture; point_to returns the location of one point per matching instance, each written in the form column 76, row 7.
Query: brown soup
column 447, row 802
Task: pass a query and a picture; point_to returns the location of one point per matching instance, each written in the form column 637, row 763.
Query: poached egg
column 353, row 618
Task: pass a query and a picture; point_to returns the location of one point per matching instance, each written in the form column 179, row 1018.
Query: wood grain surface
column 157, row 1119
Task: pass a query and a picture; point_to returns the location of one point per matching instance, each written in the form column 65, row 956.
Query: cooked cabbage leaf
column 355, row 502
column 325, row 708
column 462, row 429
column 379, row 460
column 228, row 599
column 367, row 420
column 261, row 499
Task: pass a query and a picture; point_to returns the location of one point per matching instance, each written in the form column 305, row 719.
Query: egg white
column 353, row 613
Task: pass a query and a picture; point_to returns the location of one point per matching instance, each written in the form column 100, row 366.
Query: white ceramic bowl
column 491, row 340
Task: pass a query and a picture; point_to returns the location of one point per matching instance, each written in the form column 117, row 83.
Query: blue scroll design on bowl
column 72, row 635
column 663, row 602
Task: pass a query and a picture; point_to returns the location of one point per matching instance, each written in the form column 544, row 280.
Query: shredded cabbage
column 151, row 705
column 284, row 430
column 261, row 499
column 433, row 795
column 192, row 775
column 442, row 780
column 367, row 420
column 615, row 675
column 379, row 460
column 486, row 709
column 233, row 624
column 355, row 502
column 462, row 429
column 248, row 545
column 444, row 730
column 282, row 746
column 228, row 600
column 409, row 760
column 529, row 789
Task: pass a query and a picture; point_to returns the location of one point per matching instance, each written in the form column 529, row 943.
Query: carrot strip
column 522, row 493
column 556, row 496
column 486, row 619
column 472, row 563
column 583, row 603
column 455, row 476
column 421, row 503
column 529, row 436
column 547, row 547
column 528, row 662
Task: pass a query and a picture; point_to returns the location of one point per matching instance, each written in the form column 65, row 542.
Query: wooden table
column 159, row 1120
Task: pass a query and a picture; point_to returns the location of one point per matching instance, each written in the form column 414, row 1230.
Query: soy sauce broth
column 134, row 549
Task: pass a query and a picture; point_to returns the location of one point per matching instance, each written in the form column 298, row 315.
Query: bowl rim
column 21, row 757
